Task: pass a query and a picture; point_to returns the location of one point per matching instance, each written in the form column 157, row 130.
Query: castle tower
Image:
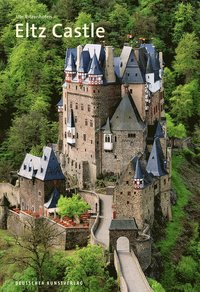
column 108, row 143
column 70, row 69
column 93, row 99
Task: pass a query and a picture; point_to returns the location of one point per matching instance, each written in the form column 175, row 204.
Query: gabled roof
column 138, row 170
column 107, row 129
column 95, row 68
column 84, row 62
column 71, row 122
column 71, row 64
column 159, row 131
column 53, row 200
column 123, row 224
column 43, row 168
column 126, row 116
column 156, row 162
column 30, row 166
column 124, row 58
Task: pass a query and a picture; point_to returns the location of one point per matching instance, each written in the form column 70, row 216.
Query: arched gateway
column 123, row 233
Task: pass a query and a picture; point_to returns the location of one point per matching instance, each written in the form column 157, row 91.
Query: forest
column 32, row 72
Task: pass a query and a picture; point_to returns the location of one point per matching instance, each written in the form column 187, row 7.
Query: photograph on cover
column 99, row 145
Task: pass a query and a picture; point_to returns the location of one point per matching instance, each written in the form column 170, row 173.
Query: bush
column 187, row 268
column 156, row 286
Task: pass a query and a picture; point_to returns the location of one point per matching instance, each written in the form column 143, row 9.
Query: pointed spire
column 138, row 170
column 159, row 131
column 95, row 68
column 71, row 122
column 71, row 64
column 84, row 62
column 107, row 127
column 149, row 67
column 156, row 163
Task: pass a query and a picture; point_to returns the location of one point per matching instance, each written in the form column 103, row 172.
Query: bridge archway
column 123, row 244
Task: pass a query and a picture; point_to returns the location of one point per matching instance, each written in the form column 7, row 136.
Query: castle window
column 77, row 135
column 88, row 108
column 87, row 89
column 65, row 135
column 129, row 193
column 134, row 193
column 131, row 91
column 115, row 156
column 24, row 166
column 65, row 107
column 91, row 123
column 135, row 74
column 164, row 181
column 93, row 91
column 91, row 141
column 91, row 156
column 65, row 121
column 127, row 182
column 75, row 119
column 107, row 138
column 127, row 202
column 86, row 122
column 76, row 107
column 132, row 60
column 121, row 193
column 76, row 87
column 41, row 170
column 39, row 193
column 155, row 187
column 84, row 137
column 131, row 135
column 79, row 166
column 82, row 108
column 76, row 165
column 115, row 138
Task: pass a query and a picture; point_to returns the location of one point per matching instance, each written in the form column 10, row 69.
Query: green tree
column 72, row 207
column 185, row 101
column 186, row 62
column 88, row 265
column 175, row 131
column 184, row 20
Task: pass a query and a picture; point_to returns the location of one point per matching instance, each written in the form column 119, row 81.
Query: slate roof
column 43, row 168
column 159, row 131
column 69, row 51
column 123, row 224
column 53, row 200
column 126, row 116
column 138, row 170
column 71, row 64
column 71, row 122
column 156, row 162
column 95, row 68
column 148, row 177
column 107, row 129
column 60, row 103
column 96, row 49
column 149, row 67
column 84, row 62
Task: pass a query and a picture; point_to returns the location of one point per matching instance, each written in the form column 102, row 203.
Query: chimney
column 109, row 67
column 161, row 59
column 79, row 51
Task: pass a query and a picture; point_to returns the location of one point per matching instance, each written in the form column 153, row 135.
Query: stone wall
column 34, row 193
column 156, row 107
column 143, row 251
column 132, row 203
column 91, row 106
column 124, row 148
column 11, row 193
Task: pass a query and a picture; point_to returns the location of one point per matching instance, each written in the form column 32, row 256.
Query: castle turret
column 138, row 176
column 71, row 129
column 83, row 66
column 108, row 143
column 109, row 67
column 70, row 69
column 95, row 73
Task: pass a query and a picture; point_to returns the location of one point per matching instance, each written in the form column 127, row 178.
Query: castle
column 112, row 123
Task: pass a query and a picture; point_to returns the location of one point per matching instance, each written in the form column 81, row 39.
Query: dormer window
column 41, row 170
column 108, row 144
column 29, row 169
column 45, row 158
column 24, row 166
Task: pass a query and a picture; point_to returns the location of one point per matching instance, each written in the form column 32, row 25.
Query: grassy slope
column 178, row 231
